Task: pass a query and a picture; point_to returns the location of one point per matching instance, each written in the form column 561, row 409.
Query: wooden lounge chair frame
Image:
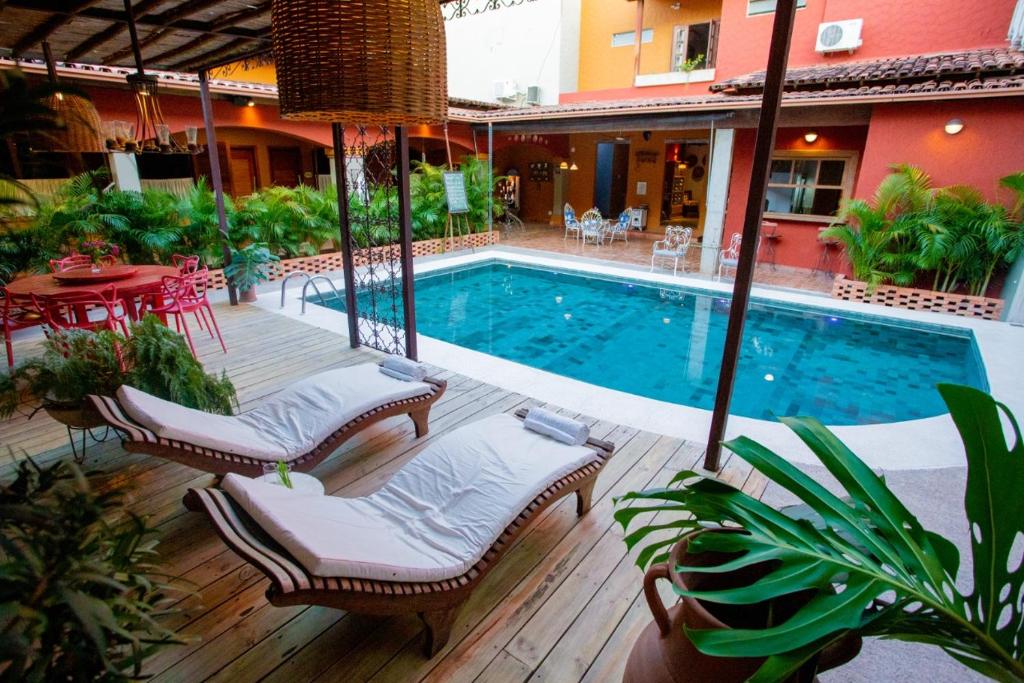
column 135, row 438
column 436, row 602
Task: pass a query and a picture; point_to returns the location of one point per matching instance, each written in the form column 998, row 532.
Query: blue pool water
column 666, row 343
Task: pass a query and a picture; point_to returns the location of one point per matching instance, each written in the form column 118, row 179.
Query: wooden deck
column 565, row 603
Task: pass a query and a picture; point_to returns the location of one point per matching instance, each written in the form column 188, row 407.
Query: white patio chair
column 620, row 228
column 592, row 227
column 730, row 256
column 571, row 224
column 674, row 246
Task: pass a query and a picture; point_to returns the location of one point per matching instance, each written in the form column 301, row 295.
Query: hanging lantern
column 360, row 62
column 81, row 129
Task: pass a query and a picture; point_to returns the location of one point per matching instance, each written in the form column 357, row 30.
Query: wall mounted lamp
column 954, row 126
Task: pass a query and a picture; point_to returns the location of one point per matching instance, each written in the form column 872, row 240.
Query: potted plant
column 77, row 363
column 836, row 568
column 249, row 266
column 80, row 594
column 100, row 252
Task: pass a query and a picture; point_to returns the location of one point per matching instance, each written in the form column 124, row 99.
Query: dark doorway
column 285, row 166
column 243, row 171
column 610, row 177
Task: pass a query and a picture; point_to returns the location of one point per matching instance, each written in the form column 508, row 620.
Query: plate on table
column 86, row 276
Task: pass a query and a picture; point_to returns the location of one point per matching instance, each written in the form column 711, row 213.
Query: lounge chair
column 423, row 542
column 675, row 246
column 301, row 425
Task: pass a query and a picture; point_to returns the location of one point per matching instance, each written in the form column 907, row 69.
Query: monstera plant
column 862, row 562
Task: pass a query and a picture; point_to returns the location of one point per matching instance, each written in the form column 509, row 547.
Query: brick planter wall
column 918, row 299
column 326, row 263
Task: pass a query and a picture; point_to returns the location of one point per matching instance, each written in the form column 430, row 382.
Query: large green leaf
column 870, row 565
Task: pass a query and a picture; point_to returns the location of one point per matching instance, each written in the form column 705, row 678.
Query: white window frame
column 850, row 160
column 681, row 44
column 628, row 38
column 756, row 8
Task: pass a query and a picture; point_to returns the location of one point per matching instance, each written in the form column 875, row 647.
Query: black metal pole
column 133, row 35
column 348, row 265
column 405, row 224
column 217, row 181
column 778, row 55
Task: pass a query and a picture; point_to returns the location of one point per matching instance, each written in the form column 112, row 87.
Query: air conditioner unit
column 839, row 36
column 506, row 90
column 533, row 94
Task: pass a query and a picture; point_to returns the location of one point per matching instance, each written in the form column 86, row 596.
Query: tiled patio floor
column 638, row 252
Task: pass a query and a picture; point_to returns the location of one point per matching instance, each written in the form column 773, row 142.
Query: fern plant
column 154, row 359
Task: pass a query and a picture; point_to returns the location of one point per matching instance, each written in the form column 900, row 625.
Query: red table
column 146, row 281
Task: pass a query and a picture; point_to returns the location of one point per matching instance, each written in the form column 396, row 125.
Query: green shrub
column 154, row 359
column 80, row 597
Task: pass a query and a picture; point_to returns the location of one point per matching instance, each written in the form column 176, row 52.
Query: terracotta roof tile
column 663, row 105
column 967, row 63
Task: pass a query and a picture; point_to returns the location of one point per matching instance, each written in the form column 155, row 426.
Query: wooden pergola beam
column 150, row 21
column 168, row 18
column 46, row 29
column 109, row 33
column 209, row 59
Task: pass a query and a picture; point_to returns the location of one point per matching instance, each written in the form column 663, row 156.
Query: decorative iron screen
column 374, row 177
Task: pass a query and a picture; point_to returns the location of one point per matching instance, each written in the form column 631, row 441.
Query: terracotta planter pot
column 82, row 417
column 663, row 653
column 247, row 295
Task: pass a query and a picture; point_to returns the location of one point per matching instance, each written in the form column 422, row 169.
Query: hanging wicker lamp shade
column 81, row 128
column 360, row 62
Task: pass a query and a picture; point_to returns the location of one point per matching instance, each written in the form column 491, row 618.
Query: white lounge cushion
column 432, row 521
column 283, row 427
column 668, row 253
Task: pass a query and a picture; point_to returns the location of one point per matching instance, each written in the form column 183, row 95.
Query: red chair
column 69, row 262
column 185, row 264
column 71, row 311
column 187, row 294
column 16, row 313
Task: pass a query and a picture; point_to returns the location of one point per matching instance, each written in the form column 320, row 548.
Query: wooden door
column 201, row 163
column 243, row 171
column 285, row 166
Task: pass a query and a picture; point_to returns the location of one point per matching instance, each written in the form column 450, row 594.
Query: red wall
column 989, row 147
column 799, row 245
column 184, row 110
column 890, row 29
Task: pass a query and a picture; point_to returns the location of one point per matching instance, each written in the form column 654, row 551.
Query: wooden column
column 348, row 263
column 217, row 181
column 405, row 225
column 639, row 38
column 764, row 144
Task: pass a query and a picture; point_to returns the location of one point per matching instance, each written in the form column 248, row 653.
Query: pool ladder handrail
column 289, row 276
column 311, row 280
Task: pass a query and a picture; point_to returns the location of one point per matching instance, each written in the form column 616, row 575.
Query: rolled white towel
column 403, row 368
column 558, row 427
column 398, row 375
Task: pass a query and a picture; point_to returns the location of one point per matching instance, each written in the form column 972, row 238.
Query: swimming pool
column 666, row 343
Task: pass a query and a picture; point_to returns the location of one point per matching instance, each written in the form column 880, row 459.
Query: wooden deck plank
column 533, row 616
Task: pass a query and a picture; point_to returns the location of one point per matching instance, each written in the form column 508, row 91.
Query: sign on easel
column 455, row 191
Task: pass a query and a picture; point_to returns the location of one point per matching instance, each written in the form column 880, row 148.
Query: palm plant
column 866, row 563
column 883, row 237
column 200, row 228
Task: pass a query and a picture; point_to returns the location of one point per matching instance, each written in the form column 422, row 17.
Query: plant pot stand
column 82, row 420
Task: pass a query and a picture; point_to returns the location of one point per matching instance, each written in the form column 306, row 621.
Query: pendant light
column 360, row 62
column 80, row 122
